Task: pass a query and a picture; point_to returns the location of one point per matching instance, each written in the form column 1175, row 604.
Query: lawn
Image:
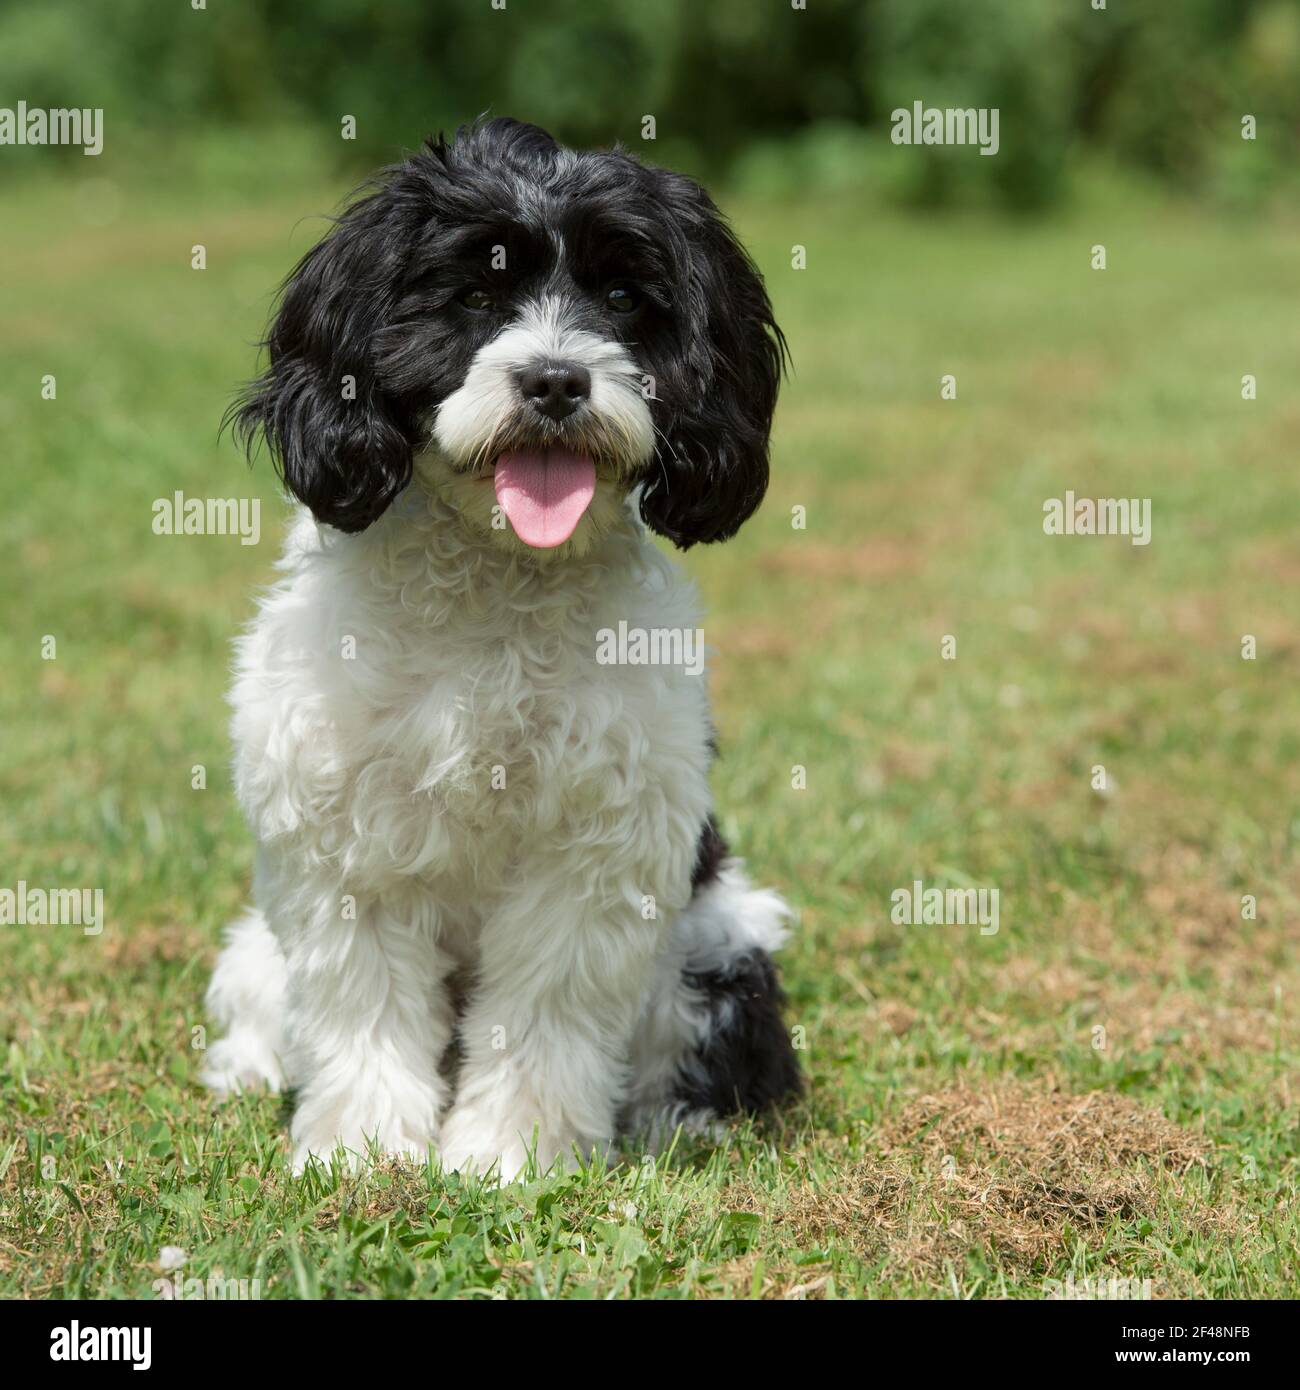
column 1105, row 1088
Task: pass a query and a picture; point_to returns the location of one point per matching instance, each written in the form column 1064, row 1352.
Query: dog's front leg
column 565, row 961
column 369, row 1019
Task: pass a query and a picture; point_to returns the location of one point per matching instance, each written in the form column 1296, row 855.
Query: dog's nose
column 556, row 389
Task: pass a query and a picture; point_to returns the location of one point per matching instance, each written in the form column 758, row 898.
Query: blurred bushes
column 752, row 88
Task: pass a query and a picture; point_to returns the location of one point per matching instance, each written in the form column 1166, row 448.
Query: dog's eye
column 480, row 301
column 622, row 299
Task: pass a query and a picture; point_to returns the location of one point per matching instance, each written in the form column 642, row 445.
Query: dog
column 495, row 918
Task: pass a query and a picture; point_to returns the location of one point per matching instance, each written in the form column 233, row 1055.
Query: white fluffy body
column 443, row 781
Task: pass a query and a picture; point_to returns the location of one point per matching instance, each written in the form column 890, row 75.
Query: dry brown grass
column 1014, row 1172
column 1168, row 968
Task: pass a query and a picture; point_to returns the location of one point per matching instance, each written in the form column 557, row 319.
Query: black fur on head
column 372, row 331
column 342, row 441
column 719, row 379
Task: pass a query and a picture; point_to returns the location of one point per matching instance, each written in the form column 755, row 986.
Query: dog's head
column 544, row 330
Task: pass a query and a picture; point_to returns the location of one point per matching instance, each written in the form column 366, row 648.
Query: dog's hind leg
column 711, row 1041
column 247, row 997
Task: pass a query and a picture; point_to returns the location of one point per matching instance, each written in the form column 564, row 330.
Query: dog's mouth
column 544, row 493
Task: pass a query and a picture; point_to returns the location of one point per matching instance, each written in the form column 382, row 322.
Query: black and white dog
column 493, row 362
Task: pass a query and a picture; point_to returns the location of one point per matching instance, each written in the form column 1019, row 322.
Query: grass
column 1103, row 1088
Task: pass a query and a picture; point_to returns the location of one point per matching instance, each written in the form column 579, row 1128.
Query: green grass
column 1118, row 911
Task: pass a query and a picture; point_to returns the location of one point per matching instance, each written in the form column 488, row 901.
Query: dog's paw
column 356, row 1154
column 477, row 1140
column 500, row 1163
column 491, row 1146
column 355, row 1148
column 241, row 1062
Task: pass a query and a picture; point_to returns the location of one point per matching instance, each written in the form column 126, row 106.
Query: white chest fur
column 412, row 702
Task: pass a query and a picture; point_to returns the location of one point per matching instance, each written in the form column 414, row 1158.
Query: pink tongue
column 545, row 494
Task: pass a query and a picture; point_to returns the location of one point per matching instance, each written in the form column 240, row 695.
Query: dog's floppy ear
column 343, row 445
column 710, row 471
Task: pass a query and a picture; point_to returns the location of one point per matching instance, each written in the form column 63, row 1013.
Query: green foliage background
column 1161, row 86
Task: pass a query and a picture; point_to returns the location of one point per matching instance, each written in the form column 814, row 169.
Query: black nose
column 556, row 389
